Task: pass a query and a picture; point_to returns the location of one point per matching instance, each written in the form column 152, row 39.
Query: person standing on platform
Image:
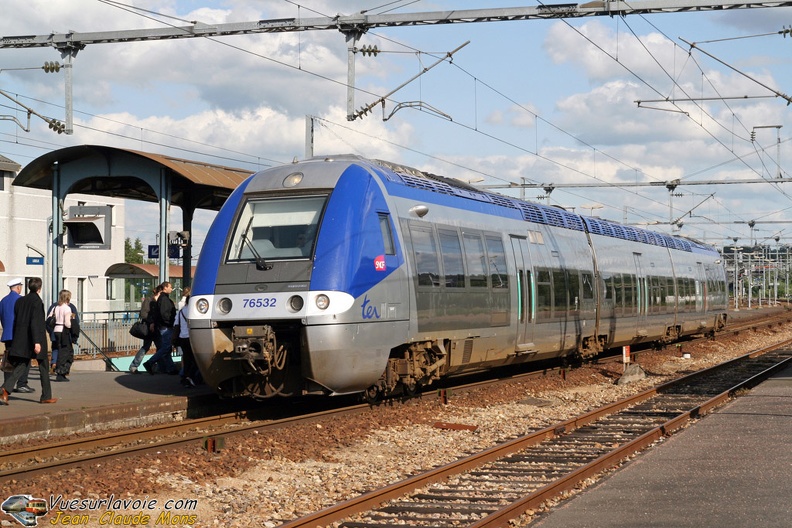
column 7, row 322
column 75, row 336
column 29, row 342
column 184, row 298
column 145, row 315
column 190, row 374
column 163, row 314
column 63, row 335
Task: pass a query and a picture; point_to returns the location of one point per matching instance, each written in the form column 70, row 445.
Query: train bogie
column 351, row 275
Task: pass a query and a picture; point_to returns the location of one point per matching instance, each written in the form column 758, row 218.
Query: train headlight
column 295, row 303
column 225, row 305
column 293, row 179
column 202, row 306
column 322, row 301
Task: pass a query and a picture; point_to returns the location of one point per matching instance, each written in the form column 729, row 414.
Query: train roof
column 537, row 213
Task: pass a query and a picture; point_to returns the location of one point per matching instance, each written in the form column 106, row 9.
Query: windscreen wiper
column 261, row 264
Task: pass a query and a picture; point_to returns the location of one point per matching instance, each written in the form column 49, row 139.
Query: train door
column 525, row 297
column 641, row 296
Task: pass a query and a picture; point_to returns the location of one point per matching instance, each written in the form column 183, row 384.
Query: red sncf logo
column 379, row 263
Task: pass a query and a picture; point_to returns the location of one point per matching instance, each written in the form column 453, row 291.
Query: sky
column 537, row 102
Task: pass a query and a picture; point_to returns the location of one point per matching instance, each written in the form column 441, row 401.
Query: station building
column 25, row 242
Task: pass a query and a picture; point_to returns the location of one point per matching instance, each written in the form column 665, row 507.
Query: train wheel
column 372, row 395
column 410, row 388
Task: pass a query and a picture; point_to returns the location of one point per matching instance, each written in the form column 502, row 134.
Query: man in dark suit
column 29, row 341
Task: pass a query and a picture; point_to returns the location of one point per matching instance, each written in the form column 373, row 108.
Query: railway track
column 494, row 486
column 29, row 460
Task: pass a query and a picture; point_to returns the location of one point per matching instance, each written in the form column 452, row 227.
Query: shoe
column 148, row 368
column 4, row 397
column 51, row 400
column 25, row 389
column 133, row 370
column 61, row 377
column 189, row 383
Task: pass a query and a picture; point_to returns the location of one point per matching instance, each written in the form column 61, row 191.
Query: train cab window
column 387, row 234
column 475, row 259
column 276, row 228
column 497, row 263
column 425, row 249
column 451, row 250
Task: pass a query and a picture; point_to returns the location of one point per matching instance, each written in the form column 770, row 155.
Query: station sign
column 34, row 261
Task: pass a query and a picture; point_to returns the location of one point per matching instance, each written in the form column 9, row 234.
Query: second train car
column 340, row 275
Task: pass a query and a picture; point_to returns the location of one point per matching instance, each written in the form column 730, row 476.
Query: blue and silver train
column 341, row 275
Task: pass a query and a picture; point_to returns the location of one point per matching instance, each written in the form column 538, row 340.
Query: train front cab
column 274, row 315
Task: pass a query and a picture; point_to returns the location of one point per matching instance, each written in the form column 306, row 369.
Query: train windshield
column 276, row 229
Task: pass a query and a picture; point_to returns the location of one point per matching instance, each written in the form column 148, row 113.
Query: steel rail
column 112, row 440
column 374, row 498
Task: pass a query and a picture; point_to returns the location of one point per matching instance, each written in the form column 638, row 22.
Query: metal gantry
column 355, row 25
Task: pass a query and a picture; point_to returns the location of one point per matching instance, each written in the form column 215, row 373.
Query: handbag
column 49, row 323
column 140, row 329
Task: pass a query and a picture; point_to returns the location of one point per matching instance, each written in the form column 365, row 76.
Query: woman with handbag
column 63, row 335
column 145, row 315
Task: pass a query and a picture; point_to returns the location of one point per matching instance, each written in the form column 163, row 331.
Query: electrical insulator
column 50, row 67
column 57, row 126
column 753, row 136
column 369, row 50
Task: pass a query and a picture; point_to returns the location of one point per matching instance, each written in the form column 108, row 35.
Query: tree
column 133, row 253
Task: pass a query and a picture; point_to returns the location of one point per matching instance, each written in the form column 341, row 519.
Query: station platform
column 729, row 469
column 96, row 400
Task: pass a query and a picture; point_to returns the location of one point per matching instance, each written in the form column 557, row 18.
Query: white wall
column 24, row 214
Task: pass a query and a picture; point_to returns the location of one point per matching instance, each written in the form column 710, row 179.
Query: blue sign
column 34, row 261
column 174, row 251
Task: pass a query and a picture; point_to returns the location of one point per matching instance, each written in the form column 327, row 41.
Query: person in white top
column 63, row 338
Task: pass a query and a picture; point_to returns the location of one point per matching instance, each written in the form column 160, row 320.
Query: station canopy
column 128, row 270
column 111, row 171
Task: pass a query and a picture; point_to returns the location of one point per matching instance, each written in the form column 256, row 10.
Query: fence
column 112, row 335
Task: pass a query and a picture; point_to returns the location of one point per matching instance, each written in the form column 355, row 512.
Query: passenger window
column 451, row 250
column 560, row 301
column 425, row 250
column 474, row 257
column 588, row 285
column 497, row 263
column 544, row 294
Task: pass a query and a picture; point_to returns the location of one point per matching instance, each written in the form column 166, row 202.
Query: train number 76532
column 266, row 302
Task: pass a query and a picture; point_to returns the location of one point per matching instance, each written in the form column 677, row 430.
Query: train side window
column 387, row 233
column 497, row 263
column 544, row 294
column 451, row 251
column 425, row 250
column 561, row 297
column 629, row 293
column 588, row 285
column 474, row 258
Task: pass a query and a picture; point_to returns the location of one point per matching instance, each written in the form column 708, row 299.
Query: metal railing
column 106, row 337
